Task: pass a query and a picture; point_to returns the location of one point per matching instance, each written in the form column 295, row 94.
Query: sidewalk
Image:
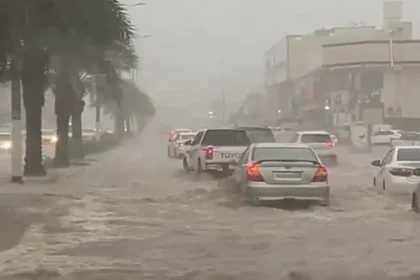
column 37, row 206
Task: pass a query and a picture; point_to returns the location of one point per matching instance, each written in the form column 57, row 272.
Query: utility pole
column 16, row 134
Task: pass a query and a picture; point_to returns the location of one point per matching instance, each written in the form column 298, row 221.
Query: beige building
column 346, row 69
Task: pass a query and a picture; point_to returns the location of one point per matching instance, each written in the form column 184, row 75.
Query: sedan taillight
column 321, row 175
column 253, row 173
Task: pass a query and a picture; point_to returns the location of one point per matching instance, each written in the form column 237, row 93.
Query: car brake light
column 403, row 172
column 321, row 175
column 209, row 152
column 330, row 144
column 253, row 173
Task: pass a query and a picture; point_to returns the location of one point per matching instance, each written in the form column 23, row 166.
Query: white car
column 279, row 171
column 178, row 142
column 395, row 170
column 184, row 148
column 321, row 142
column 385, row 136
column 49, row 137
column 407, row 139
column 172, row 135
column 220, row 149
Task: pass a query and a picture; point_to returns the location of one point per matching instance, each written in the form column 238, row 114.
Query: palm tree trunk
column 119, row 122
column 33, row 79
column 76, row 134
column 61, row 158
column 127, row 125
column 64, row 98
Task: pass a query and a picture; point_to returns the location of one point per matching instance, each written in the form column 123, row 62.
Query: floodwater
column 136, row 215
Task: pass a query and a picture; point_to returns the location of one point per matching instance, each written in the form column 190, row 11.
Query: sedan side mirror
column 416, row 172
column 188, row 143
column 376, row 162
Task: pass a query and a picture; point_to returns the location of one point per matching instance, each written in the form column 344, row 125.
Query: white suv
column 321, row 142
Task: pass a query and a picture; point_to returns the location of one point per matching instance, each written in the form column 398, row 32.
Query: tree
column 43, row 26
column 136, row 105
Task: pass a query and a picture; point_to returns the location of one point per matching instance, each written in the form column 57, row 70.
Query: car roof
column 280, row 145
column 406, row 147
column 252, row 127
column 187, row 133
column 313, row 132
column 223, row 128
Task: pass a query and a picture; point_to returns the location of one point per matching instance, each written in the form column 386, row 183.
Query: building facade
column 346, row 69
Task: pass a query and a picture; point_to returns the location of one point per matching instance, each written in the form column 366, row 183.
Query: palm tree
column 43, row 26
column 136, row 105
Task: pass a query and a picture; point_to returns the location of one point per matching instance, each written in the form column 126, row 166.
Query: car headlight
column 54, row 139
column 7, row 145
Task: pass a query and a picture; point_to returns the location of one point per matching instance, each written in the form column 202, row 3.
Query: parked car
column 385, row 136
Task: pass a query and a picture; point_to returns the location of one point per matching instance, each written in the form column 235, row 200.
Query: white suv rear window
column 315, row 138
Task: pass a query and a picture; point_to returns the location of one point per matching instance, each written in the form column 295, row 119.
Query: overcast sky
column 200, row 45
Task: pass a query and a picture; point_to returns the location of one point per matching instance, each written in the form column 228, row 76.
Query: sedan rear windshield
column 283, row 153
column 225, row 137
column 315, row 138
column 408, row 154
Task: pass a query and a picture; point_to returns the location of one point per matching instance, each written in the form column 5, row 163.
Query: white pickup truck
column 218, row 149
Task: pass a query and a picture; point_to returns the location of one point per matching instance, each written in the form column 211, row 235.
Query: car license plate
column 286, row 175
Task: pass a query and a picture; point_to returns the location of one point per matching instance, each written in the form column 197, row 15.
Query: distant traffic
column 275, row 163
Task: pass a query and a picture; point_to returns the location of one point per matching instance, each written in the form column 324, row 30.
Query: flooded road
column 140, row 217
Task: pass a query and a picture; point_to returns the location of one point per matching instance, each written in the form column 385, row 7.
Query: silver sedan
column 280, row 171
